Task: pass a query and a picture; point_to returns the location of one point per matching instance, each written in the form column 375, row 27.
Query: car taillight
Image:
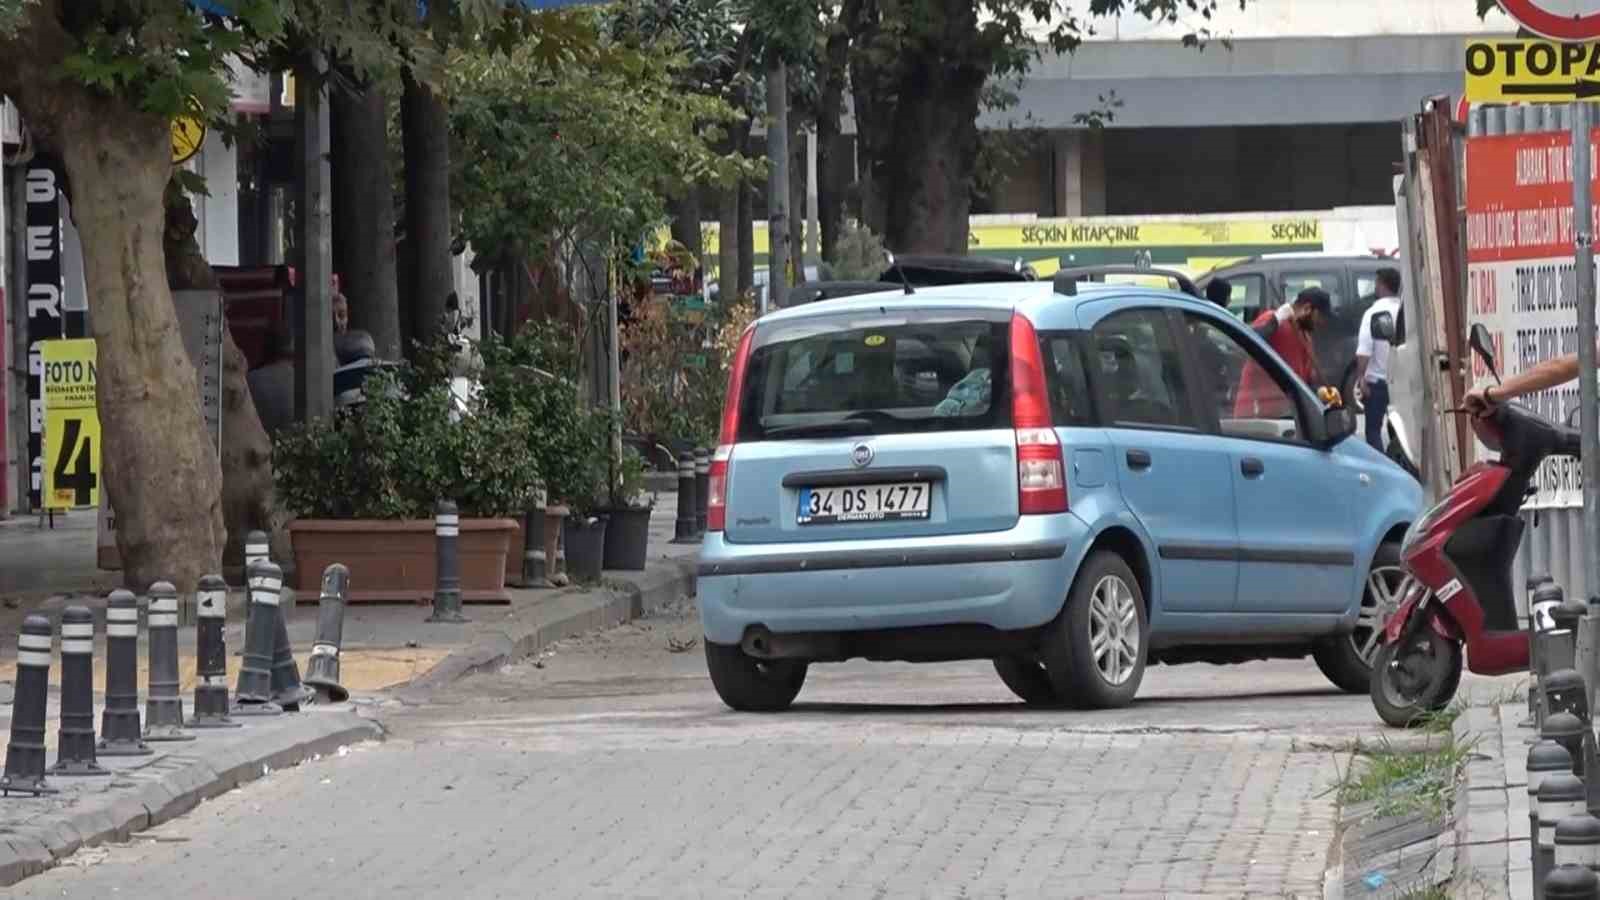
column 1041, row 472
column 717, row 502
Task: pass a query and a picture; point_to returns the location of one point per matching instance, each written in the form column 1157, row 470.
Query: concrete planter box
column 393, row 562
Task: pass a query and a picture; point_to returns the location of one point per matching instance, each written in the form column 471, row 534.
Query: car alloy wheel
column 1114, row 630
column 1385, row 588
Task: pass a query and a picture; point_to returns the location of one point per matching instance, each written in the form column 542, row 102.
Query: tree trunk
column 363, row 214
column 922, row 180
column 426, row 125
column 798, row 239
column 747, row 238
column 830, row 192
column 728, row 242
column 161, row 473
column 248, row 502
column 686, row 222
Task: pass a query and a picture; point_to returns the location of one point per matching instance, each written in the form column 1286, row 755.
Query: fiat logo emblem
column 861, row 455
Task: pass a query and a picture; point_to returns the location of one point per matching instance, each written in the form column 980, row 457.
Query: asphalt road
column 609, row 769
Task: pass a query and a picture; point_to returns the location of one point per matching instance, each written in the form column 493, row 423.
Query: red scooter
column 1459, row 555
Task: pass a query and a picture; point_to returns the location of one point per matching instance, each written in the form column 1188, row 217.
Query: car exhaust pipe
column 757, row 642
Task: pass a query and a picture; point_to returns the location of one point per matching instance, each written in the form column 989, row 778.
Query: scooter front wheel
column 1411, row 683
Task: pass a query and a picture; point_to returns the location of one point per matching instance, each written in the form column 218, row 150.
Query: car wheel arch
column 1395, row 533
column 1126, row 543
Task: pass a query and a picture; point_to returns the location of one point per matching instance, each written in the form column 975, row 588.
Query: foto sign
column 71, row 424
column 1571, row 21
column 1532, row 72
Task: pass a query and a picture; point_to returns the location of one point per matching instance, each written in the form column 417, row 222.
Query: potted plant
column 584, row 481
column 363, row 483
column 628, row 515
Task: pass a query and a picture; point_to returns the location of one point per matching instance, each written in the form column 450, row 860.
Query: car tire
column 1095, row 650
column 747, row 684
column 1347, row 659
column 1027, row 679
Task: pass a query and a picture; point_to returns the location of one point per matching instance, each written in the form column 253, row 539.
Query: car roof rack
column 1067, row 279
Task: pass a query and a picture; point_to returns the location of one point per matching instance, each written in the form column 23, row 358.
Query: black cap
column 1318, row 298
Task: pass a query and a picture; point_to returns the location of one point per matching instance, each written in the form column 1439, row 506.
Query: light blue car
column 1055, row 476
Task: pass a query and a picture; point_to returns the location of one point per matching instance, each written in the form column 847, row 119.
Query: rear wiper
column 852, row 425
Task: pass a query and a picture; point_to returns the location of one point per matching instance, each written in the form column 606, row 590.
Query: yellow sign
column 71, row 424
column 1532, row 72
column 188, row 136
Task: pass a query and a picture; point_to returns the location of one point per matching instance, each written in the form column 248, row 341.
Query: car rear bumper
column 1006, row 580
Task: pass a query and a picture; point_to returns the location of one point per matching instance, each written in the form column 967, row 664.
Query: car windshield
column 857, row 375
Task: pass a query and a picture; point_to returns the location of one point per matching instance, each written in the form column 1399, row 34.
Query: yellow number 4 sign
column 71, row 425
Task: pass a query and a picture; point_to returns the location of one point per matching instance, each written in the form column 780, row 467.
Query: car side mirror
column 1482, row 343
column 1383, row 328
column 1337, row 424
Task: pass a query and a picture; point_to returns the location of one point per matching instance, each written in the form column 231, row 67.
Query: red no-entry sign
column 1559, row 20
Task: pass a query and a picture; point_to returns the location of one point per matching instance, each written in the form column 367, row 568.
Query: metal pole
column 777, row 186
column 1583, row 227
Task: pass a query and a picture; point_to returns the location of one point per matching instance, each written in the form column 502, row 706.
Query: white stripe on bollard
column 33, row 642
column 163, row 620
column 164, row 604
column 122, row 630
column 118, row 614
column 33, row 658
column 77, row 646
column 447, row 531
column 324, row 650
column 77, row 630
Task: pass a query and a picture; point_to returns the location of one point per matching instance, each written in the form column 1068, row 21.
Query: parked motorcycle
column 1459, row 556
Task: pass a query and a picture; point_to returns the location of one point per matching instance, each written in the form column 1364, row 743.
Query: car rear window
column 846, row 375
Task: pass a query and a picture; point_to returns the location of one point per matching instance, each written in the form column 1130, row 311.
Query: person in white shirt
column 1372, row 357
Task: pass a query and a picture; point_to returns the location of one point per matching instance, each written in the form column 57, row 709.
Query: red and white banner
column 1520, row 284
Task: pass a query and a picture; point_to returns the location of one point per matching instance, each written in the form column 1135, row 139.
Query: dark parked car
column 919, row 272
column 1265, row 282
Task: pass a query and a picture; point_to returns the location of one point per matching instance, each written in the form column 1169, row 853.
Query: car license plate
column 864, row 503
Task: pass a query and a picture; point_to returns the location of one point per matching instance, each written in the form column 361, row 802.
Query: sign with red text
column 1520, row 275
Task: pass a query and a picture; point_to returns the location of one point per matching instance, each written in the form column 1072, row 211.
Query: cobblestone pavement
column 609, row 769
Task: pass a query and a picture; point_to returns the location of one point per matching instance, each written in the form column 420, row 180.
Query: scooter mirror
column 1483, row 345
column 1383, row 328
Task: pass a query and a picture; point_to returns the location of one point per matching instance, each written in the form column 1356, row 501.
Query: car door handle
column 1138, row 459
column 1252, row 467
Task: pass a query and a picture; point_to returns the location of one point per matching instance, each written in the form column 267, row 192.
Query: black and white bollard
column 1564, row 692
column 447, row 580
column 211, row 655
column 702, row 488
column 24, row 773
column 253, row 694
column 322, row 671
column 75, row 737
column 1561, row 796
column 1545, row 759
column 683, row 531
column 1536, row 618
column 120, row 734
column 163, row 709
column 1565, row 729
column 1578, row 842
column 1571, row 883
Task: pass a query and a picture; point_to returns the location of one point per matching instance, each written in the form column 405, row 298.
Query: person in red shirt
column 1288, row 329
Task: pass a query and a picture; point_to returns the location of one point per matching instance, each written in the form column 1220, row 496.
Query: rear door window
column 1067, row 378
column 1140, row 371
column 844, row 375
column 1247, row 295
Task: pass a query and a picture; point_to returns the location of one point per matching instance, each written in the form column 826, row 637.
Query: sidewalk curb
column 186, row 781
column 1487, row 838
column 573, row 611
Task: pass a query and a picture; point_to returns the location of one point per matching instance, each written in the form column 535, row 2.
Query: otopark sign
column 1563, row 67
